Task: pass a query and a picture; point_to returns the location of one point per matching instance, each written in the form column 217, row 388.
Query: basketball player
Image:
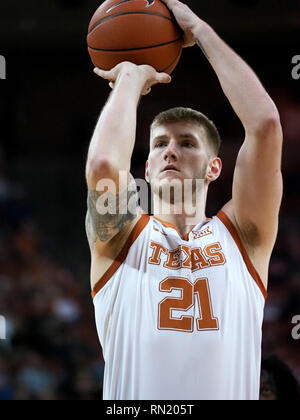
column 179, row 305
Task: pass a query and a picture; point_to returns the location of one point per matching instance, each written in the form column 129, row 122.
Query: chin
column 168, row 188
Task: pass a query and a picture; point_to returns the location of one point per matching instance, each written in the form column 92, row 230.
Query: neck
column 183, row 215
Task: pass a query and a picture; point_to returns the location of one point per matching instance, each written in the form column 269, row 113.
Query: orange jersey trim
column 250, row 267
column 140, row 225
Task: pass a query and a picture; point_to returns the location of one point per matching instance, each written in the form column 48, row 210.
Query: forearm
column 114, row 135
column 242, row 87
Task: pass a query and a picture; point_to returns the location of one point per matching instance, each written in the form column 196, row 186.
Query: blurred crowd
column 51, row 350
column 283, row 302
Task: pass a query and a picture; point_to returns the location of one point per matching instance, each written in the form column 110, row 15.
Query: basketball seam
column 137, row 48
column 163, row 70
column 127, row 13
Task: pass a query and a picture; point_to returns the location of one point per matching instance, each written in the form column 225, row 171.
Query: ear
column 214, row 169
column 147, row 171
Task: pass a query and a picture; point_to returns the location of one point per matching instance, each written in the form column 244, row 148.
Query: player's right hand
column 146, row 75
column 186, row 19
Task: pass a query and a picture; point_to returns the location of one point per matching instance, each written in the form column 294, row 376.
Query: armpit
column 251, row 234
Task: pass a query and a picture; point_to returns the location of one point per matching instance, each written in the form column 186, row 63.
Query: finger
column 104, row 74
column 163, row 78
column 170, row 3
column 146, row 91
column 98, row 71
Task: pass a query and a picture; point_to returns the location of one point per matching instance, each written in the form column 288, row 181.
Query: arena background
column 49, row 105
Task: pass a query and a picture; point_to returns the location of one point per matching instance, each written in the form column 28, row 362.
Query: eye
column 160, row 143
column 188, row 144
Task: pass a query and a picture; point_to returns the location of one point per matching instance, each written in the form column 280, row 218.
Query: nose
column 170, row 153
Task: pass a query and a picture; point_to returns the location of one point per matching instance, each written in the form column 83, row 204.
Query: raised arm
column 257, row 184
column 112, row 145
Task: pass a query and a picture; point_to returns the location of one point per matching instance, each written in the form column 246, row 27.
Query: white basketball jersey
column 181, row 319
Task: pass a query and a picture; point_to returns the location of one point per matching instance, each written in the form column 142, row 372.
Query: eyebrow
column 185, row 135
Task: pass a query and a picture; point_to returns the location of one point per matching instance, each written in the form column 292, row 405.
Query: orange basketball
column 140, row 31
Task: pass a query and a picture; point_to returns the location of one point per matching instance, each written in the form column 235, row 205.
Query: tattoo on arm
column 105, row 226
column 202, row 48
column 91, row 235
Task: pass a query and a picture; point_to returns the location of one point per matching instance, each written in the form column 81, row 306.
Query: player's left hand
column 185, row 18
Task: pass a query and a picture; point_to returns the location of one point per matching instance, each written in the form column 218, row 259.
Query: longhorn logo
column 149, row 3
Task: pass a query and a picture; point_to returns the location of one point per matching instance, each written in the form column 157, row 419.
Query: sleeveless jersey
column 181, row 319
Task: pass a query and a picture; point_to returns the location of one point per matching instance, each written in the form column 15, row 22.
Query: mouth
column 169, row 168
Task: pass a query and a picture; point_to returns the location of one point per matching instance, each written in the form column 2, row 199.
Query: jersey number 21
column 191, row 294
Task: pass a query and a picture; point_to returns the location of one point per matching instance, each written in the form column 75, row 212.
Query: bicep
column 257, row 187
column 108, row 213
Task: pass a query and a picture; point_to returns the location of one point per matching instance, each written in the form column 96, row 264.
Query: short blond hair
column 187, row 114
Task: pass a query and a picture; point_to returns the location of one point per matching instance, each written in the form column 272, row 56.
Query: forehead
column 178, row 129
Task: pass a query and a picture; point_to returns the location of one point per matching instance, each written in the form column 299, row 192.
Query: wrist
column 130, row 82
column 200, row 29
column 133, row 76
